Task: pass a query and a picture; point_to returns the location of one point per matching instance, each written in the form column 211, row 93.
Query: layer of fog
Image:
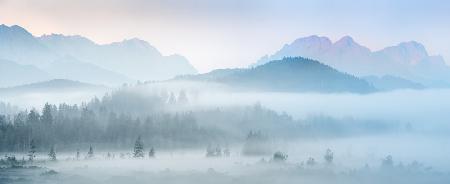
column 427, row 110
column 355, row 161
column 37, row 100
column 415, row 106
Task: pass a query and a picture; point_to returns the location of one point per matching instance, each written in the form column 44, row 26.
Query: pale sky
column 235, row 33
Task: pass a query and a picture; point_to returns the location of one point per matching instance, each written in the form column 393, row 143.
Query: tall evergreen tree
column 78, row 154
column 47, row 117
column 151, row 153
column 32, row 152
column 138, row 148
column 328, row 156
column 90, row 153
column 172, row 99
column 52, row 154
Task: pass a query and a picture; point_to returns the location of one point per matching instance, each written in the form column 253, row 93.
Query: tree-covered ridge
column 290, row 74
column 115, row 121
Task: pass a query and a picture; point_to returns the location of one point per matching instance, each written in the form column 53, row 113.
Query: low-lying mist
column 210, row 133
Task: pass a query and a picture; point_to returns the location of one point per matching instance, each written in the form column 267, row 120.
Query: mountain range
column 290, row 74
column 407, row 60
column 78, row 58
column 54, row 85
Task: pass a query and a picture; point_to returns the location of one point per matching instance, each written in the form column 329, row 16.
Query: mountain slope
column 71, row 68
column 135, row 58
column 55, row 85
column 116, row 62
column 294, row 74
column 12, row 74
column 408, row 60
column 17, row 44
column 389, row 82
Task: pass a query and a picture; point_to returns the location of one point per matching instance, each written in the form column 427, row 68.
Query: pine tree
column 32, row 152
column 280, row 156
column 151, row 153
column 138, row 148
column 90, row 153
column 47, row 117
column 78, row 154
column 52, row 154
column 172, row 99
column 328, row 156
column 311, row 161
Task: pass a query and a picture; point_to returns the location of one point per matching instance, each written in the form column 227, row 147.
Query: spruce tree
column 78, row 154
column 328, row 156
column 172, row 99
column 138, row 148
column 32, row 152
column 90, row 153
column 52, row 154
column 47, row 117
column 151, row 153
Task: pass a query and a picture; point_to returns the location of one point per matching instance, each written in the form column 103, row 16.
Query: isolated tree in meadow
column 78, row 154
column 218, row 152
column 138, row 148
column 151, row 153
column 32, row 152
column 90, row 153
column 329, row 156
column 387, row 162
column 279, row 156
column 311, row 161
column 52, row 154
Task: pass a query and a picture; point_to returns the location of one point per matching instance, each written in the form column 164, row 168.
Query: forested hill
column 291, row 74
column 51, row 86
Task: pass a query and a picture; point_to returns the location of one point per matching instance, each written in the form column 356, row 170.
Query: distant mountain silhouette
column 12, row 74
column 55, row 85
column 76, row 56
column 71, row 68
column 135, row 58
column 389, row 82
column 291, row 74
column 408, row 60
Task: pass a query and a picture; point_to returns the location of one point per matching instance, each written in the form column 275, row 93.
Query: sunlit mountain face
column 408, row 60
column 172, row 92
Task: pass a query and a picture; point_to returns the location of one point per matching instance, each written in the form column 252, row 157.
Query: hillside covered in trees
column 290, row 74
column 163, row 119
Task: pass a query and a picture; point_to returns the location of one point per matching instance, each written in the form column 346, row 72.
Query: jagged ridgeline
column 290, row 74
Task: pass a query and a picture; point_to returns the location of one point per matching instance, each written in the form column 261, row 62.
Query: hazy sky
column 232, row 33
